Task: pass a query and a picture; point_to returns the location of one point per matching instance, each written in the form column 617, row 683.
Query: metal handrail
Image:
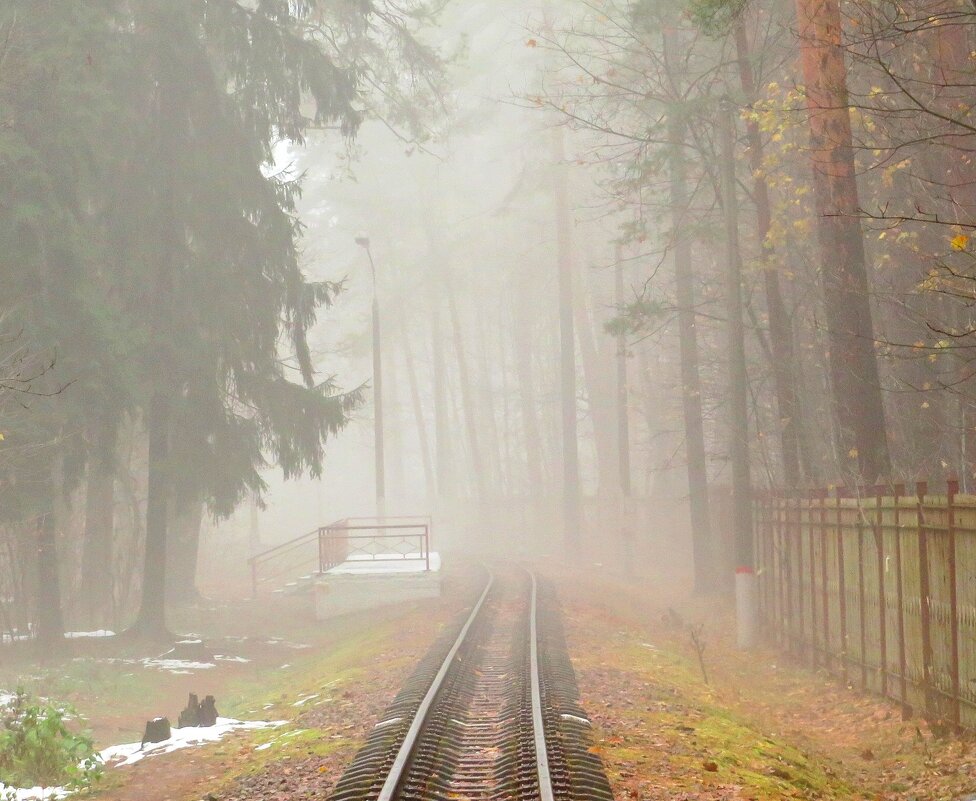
column 284, row 547
column 338, row 532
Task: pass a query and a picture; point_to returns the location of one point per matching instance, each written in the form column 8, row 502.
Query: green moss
column 707, row 744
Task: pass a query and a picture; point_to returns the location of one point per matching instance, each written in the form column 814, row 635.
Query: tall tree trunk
column 467, row 396
column 254, row 521
column 394, row 428
column 745, row 587
column 596, row 362
column 527, row 397
column 50, row 617
column 623, row 413
column 151, row 620
column 96, row 575
column 164, row 25
column 487, row 403
column 691, row 391
column 855, row 384
column 418, row 412
column 504, row 323
column 950, row 74
column 445, row 453
column 780, row 330
column 567, row 346
column 184, row 552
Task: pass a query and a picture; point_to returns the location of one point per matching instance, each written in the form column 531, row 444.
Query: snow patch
column 305, row 700
column 382, row 563
column 32, row 793
column 286, row 644
column 78, row 635
column 130, row 753
column 225, row 658
column 177, row 665
column 168, row 665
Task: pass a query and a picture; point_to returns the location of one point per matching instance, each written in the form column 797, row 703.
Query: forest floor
column 760, row 729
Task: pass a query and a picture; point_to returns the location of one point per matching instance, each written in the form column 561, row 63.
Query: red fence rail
column 877, row 585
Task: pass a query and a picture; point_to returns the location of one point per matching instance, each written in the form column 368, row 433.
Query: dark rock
column 191, row 715
column 199, row 714
column 157, row 730
column 208, row 712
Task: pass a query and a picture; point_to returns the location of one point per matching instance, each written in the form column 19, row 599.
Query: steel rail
column 538, row 722
column 402, row 760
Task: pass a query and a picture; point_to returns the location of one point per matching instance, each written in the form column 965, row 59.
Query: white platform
column 371, row 582
column 385, row 563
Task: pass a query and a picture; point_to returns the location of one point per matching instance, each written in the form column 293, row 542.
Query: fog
column 536, row 399
column 637, row 269
column 464, row 225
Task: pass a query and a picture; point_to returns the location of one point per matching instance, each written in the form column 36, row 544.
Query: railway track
column 490, row 713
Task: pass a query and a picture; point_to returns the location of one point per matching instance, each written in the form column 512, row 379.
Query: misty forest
column 558, row 400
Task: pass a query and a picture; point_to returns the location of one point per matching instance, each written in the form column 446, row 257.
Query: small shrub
column 37, row 749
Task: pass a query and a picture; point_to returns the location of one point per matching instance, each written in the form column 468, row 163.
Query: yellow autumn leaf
column 853, row 453
column 959, row 242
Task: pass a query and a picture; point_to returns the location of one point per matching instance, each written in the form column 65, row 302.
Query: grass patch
column 274, row 691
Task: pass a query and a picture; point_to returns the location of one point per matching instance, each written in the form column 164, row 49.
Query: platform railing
column 375, row 539
column 356, row 538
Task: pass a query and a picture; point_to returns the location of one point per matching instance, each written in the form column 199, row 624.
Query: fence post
column 882, row 600
column 952, row 488
column 813, row 581
column 758, row 497
column 788, row 580
column 900, row 590
column 921, row 490
column 861, row 599
column 776, row 555
column 798, row 536
column 841, row 583
column 824, row 570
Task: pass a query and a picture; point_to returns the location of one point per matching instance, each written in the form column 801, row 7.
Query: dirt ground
column 761, row 728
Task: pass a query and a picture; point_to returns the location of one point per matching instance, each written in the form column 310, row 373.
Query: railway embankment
column 759, row 728
column 762, row 727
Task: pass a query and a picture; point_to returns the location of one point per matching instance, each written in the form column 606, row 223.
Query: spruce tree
column 226, row 371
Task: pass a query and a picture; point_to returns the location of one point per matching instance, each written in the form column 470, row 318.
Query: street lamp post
column 363, row 242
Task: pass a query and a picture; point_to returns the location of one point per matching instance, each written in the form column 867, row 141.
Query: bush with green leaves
column 38, row 749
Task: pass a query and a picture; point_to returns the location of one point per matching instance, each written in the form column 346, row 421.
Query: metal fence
column 877, row 585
